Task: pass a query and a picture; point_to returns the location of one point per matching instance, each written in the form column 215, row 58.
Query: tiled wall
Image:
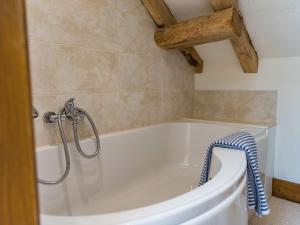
column 102, row 53
column 239, row 106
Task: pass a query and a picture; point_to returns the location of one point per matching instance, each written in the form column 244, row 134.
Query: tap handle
column 35, row 113
column 70, row 105
column 73, row 112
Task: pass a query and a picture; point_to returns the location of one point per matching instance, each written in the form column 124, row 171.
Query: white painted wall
column 222, row 71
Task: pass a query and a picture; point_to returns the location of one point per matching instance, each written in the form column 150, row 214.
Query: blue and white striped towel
column 242, row 141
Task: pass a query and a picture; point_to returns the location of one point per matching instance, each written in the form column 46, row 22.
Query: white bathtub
column 150, row 175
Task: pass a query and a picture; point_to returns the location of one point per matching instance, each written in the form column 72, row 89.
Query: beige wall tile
column 132, row 7
column 177, row 104
column 82, row 70
column 74, row 22
column 135, row 34
column 175, row 73
column 141, row 109
column 139, row 72
column 45, row 134
column 41, row 20
column 208, row 105
column 246, row 106
column 42, row 66
column 102, row 52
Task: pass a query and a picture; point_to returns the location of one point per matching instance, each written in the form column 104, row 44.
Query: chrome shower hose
column 75, row 125
column 65, row 145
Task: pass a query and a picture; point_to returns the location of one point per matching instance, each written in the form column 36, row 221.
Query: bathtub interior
column 135, row 168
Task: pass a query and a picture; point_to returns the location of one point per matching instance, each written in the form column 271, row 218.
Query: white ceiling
column 273, row 25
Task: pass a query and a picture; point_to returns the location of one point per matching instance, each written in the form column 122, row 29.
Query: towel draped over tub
column 242, row 141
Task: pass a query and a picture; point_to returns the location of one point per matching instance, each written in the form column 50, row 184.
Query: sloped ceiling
column 274, row 26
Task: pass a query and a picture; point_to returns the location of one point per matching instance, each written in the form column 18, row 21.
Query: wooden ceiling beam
column 219, row 5
column 219, row 26
column 242, row 45
column 159, row 12
column 162, row 16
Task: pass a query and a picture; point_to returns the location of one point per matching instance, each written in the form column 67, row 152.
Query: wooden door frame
column 18, row 187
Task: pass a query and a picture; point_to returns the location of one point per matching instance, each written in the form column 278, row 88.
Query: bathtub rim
column 229, row 122
column 182, row 120
column 230, row 174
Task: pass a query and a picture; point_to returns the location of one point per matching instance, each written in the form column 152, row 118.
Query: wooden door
column 18, row 192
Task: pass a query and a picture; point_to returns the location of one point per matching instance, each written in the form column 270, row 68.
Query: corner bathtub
column 149, row 176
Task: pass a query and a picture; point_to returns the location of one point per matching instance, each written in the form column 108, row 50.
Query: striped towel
column 242, row 141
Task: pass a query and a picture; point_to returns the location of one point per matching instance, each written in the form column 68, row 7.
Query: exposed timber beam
column 222, row 4
column 159, row 12
column 242, row 45
column 162, row 16
column 219, row 26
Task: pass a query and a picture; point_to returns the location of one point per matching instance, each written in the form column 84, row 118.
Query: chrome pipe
column 76, row 115
column 66, row 152
column 52, row 117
